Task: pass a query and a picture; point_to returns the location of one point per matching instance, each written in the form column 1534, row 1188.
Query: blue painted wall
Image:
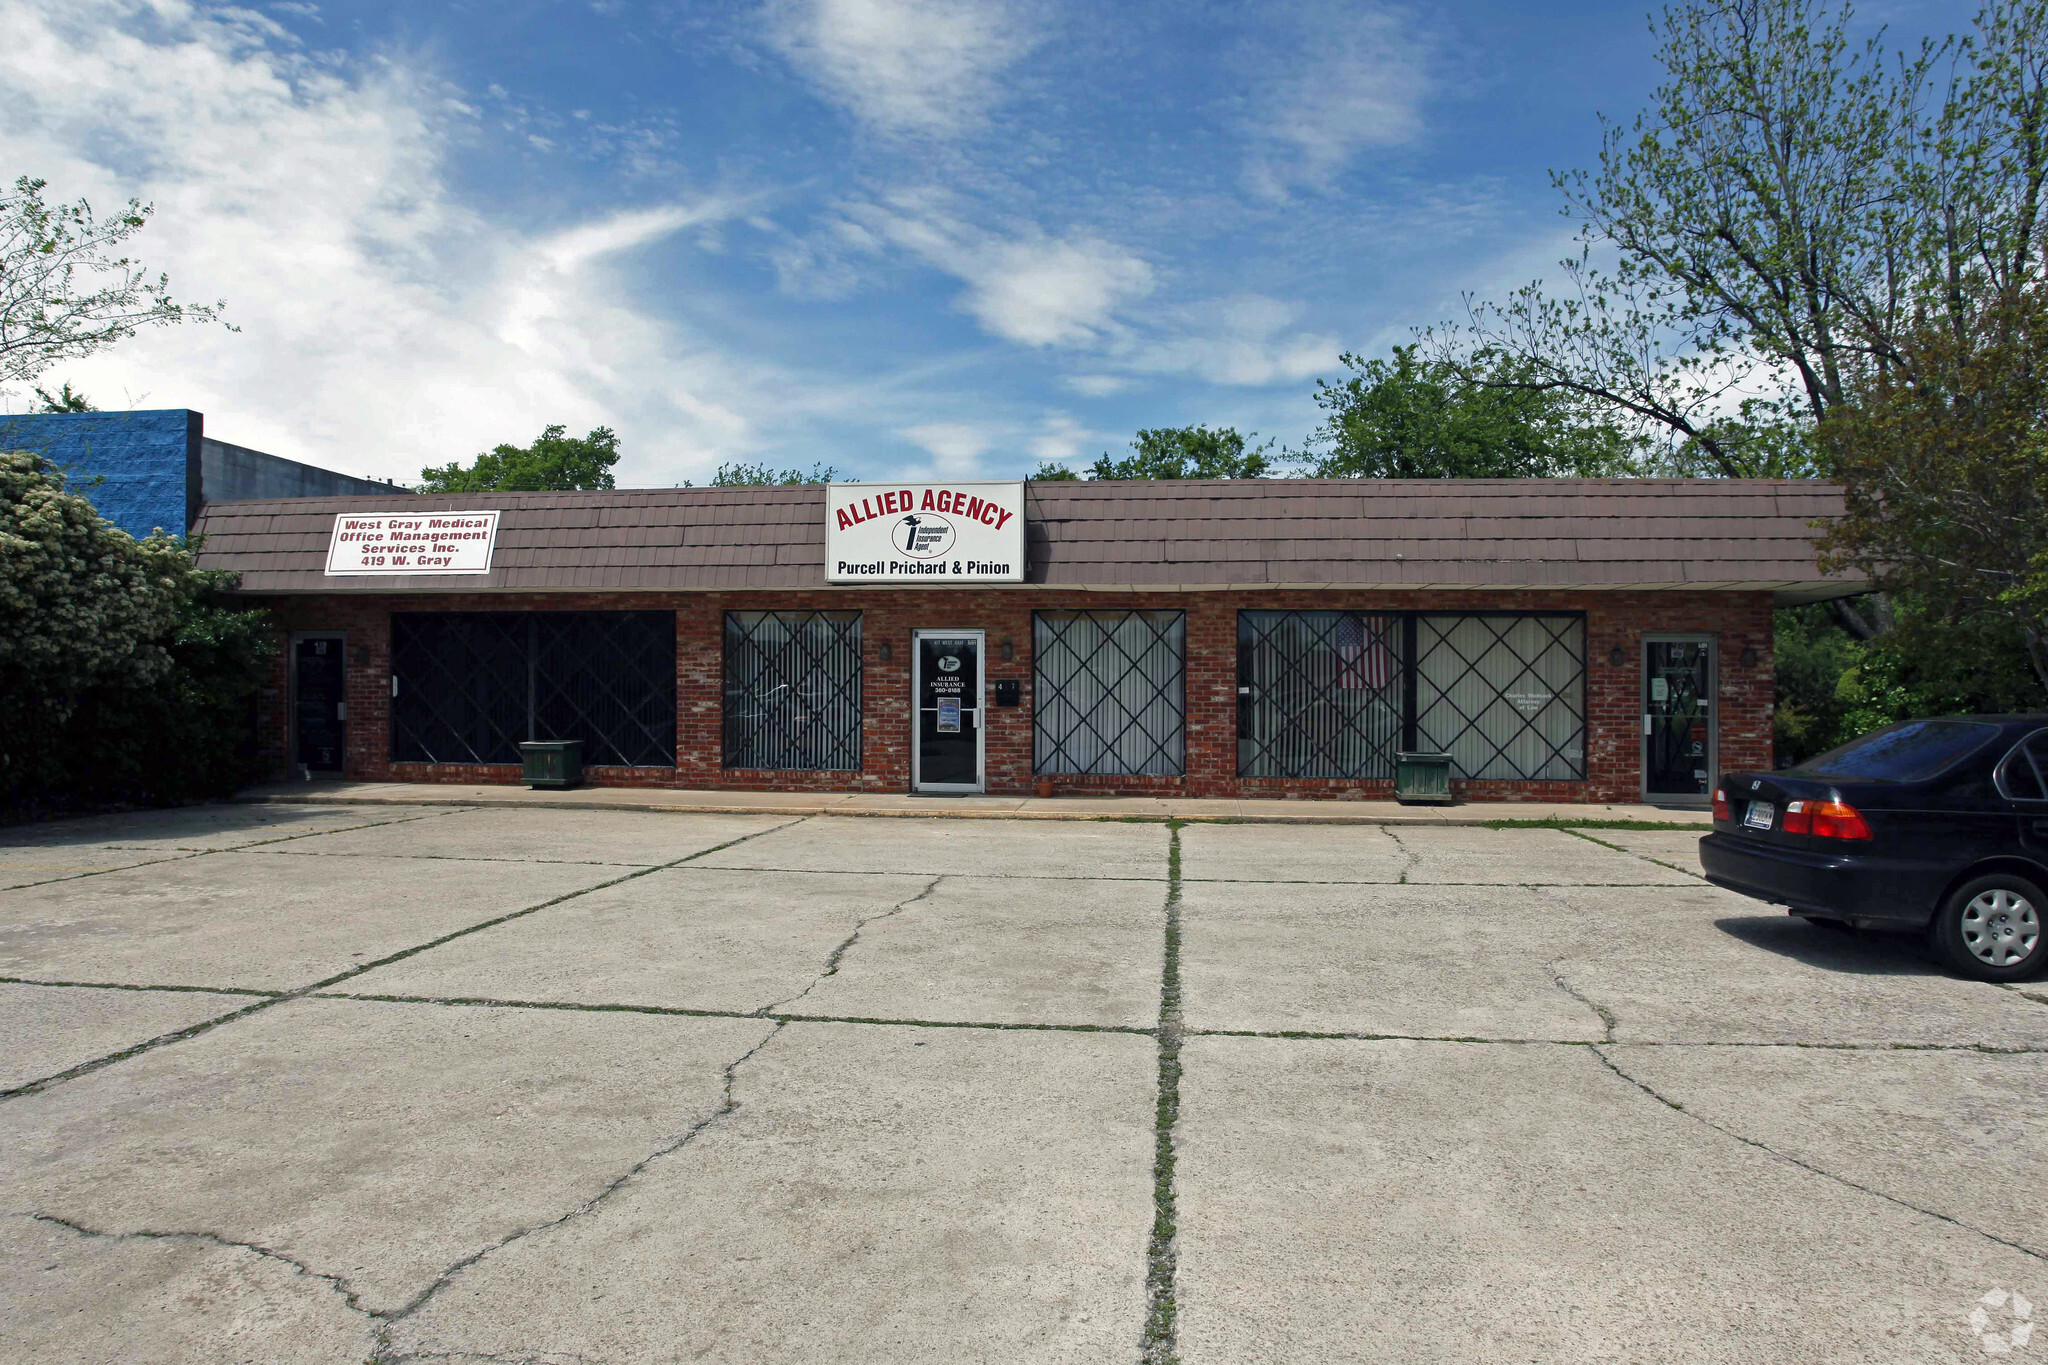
column 141, row 469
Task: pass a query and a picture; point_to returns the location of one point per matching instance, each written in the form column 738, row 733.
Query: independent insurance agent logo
column 923, row 535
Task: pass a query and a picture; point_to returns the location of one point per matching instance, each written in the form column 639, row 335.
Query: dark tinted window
column 2022, row 774
column 1912, row 752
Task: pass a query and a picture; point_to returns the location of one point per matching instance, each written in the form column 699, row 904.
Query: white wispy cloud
column 966, row 450
column 1334, row 80
column 1060, row 438
column 904, row 67
column 1246, row 340
column 1023, row 284
column 385, row 325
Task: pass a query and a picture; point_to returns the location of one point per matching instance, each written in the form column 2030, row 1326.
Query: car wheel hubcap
column 2001, row 928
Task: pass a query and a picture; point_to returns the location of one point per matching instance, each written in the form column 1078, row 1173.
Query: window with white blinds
column 792, row 690
column 1109, row 692
column 1337, row 694
column 1504, row 696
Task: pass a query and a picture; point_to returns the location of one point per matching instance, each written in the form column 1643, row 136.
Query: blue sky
column 902, row 237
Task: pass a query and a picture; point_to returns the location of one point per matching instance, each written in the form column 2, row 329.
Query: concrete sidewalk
column 965, row 807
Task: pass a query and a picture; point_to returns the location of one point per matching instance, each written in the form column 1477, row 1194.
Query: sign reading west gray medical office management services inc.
column 411, row 542
column 931, row 533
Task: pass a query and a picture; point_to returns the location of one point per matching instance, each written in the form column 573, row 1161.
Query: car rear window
column 1912, row 752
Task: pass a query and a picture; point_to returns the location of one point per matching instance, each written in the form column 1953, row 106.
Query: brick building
column 1561, row 639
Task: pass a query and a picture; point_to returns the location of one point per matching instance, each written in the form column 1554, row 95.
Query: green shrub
column 1927, row 662
column 127, row 674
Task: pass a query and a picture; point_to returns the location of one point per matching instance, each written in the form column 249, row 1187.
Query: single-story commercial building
column 152, row 469
column 1562, row 640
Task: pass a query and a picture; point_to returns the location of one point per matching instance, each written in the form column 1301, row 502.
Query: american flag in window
column 1365, row 662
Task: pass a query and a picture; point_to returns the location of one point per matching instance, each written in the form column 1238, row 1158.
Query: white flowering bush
column 124, row 674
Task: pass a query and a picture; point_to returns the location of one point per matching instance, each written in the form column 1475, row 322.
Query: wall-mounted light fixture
column 1009, row 651
column 1749, row 656
column 1617, row 656
column 884, row 650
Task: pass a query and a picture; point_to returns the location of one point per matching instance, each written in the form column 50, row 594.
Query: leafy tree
column 1413, row 417
column 125, row 673
column 65, row 291
column 556, row 462
column 738, row 474
column 1786, row 209
column 1945, row 467
column 64, row 400
column 1929, row 661
column 1050, row 472
column 1186, row 453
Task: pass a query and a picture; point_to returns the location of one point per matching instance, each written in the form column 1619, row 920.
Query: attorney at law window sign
column 929, row 533
column 411, row 543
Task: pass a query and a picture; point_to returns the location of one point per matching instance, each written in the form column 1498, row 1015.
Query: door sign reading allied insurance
column 411, row 542
column 928, row 533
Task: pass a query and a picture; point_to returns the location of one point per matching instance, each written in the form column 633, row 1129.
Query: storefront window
column 792, row 690
column 1336, row 694
column 470, row 686
column 1318, row 693
column 1108, row 692
column 1504, row 696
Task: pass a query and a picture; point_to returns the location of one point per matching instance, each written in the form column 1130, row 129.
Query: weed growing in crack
column 1159, row 1345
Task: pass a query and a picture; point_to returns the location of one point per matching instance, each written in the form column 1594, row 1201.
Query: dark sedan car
column 1935, row 826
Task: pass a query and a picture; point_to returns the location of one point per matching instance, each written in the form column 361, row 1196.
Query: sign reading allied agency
column 412, row 543
column 930, row 533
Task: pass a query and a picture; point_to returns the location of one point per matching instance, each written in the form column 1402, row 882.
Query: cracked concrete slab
column 1958, row 1133
column 1671, row 846
column 1519, row 856
column 1315, row 853
column 45, row 1030
column 984, row 848
column 1435, row 961
column 689, row 937
column 29, row 866
column 201, row 827
column 1703, row 965
column 1414, row 853
column 377, row 1143
column 238, row 919
column 998, row 951
column 1421, row 1202
column 879, row 1194
column 631, row 838
column 68, row 1296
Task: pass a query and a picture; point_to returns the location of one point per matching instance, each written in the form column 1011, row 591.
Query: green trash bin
column 1422, row 779
column 556, row 764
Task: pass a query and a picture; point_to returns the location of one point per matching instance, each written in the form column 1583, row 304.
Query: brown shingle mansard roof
column 1306, row 533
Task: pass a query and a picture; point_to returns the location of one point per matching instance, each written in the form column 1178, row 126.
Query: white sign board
column 412, row 542
column 930, row 533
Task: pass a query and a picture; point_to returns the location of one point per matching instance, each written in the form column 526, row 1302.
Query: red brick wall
column 1736, row 620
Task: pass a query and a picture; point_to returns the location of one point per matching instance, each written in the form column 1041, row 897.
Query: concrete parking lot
column 325, row 1083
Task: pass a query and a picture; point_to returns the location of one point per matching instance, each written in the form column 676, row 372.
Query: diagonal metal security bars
column 1504, row 696
column 1319, row 693
column 1109, row 692
column 1336, row 694
column 469, row 687
column 792, row 690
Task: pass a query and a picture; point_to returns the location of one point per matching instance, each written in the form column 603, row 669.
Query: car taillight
column 1833, row 820
column 1721, row 811
column 1798, row 818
